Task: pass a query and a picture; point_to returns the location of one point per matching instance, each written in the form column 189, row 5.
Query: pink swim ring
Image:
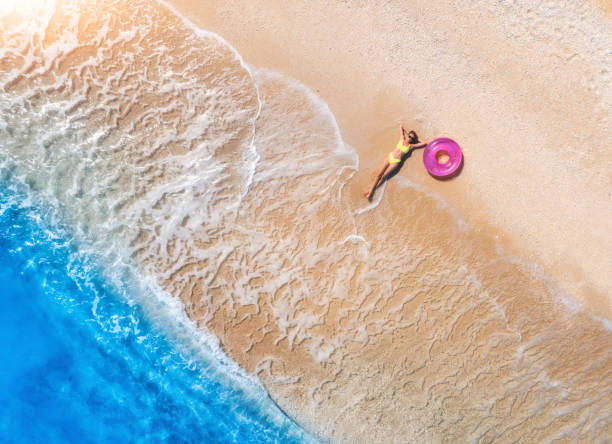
column 439, row 149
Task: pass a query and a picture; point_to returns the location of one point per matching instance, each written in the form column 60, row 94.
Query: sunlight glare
column 10, row 6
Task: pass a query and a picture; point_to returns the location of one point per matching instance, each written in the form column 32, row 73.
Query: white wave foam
column 251, row 156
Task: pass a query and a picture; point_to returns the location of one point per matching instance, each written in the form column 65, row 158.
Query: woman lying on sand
column 408, row 142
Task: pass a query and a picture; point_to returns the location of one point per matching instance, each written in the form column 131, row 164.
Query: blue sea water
column 80, row 362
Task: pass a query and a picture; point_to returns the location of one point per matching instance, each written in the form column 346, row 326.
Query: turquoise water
column 81, row 361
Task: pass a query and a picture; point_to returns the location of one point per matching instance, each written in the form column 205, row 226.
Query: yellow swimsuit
column 403, row 148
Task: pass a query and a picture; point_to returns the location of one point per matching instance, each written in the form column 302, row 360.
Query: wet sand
column 525, row 91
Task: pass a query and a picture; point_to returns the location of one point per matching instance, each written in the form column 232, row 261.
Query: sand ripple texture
column 224, row 184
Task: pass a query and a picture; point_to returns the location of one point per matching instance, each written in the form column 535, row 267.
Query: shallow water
column 83, row 362
column 170, row 161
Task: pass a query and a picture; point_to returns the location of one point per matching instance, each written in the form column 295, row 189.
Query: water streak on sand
column 225, row 185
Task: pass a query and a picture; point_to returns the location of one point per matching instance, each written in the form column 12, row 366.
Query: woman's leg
column 370, row 192
column 385, row 171
column 388, row 171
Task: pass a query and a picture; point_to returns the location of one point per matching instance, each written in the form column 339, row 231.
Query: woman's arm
column 404, row 134
column 419, row 145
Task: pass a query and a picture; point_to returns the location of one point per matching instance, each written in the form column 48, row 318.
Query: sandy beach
column 525, row 90
column 215, row 155
column 528, row 100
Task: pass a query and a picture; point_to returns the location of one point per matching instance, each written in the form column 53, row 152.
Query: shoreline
column 226, row 184
column 532, row 234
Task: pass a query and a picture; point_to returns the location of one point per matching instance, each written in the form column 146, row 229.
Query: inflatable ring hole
column 442, row 157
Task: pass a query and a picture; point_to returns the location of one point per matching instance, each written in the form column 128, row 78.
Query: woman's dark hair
column 413, row 136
